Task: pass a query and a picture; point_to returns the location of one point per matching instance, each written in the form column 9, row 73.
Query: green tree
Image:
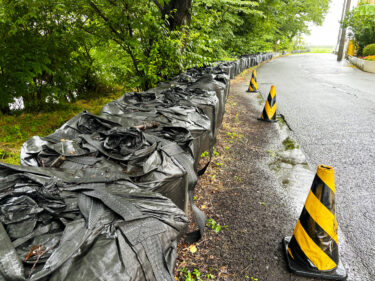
column 223, row 28
column 361, row 21
column 152, row 51
column 43, row 57
column 54, row 50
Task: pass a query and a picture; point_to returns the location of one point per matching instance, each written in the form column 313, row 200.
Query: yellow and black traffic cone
column 269, row 111
column 253, row 86
column 313, row 250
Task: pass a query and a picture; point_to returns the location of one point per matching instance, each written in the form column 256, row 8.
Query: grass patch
column 321, row 49
column 18, row 127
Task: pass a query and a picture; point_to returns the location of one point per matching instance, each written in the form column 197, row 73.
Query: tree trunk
column 178, row 12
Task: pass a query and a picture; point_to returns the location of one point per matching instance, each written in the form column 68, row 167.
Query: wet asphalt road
column 330, row 108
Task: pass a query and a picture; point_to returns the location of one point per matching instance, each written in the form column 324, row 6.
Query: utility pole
column 340, row 52
column 339, row 35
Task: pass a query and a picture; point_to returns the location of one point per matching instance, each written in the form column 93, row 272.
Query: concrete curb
column 365, row 65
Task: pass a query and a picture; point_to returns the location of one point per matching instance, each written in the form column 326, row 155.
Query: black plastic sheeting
column 148, row 161
column 85, row 224
column 104, row 197
column 162, row 113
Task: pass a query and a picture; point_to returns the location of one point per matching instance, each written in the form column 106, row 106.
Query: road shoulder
column 243, row 195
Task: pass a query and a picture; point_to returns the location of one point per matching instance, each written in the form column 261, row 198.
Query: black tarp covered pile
column 104, row 197
column 86, row 224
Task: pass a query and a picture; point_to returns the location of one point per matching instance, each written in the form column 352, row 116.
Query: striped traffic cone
column 269, row 111
column 253, row 85
column 313, row 250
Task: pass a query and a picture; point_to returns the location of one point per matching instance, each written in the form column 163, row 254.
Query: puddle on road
column 290, row 166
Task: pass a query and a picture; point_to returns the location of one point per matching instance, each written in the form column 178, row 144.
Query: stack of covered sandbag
column 84, row 224
column 104, row 197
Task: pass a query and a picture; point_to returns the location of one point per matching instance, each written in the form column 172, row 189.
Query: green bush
column 361, row 22
column 369, row 50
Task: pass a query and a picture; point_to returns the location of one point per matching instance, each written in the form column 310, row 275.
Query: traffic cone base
column 339, row 273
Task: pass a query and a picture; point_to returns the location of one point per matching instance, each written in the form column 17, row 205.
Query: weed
column 216, row 153
column 219, row 164
column 289, row 144
column 3, row 154
column 251, row 278
column 237, row 178
column 197, row 273
column 233, row 135
column 191, row 276
column 211, row 223
column 204, row 154
column 33, row 128
column 281, row 120
column 9, row 157
column 227, row 148
column 271, row 153
column 236, row 119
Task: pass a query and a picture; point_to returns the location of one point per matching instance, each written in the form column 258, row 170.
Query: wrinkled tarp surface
column 87, row 224
column 103, row 197
column 149, row 161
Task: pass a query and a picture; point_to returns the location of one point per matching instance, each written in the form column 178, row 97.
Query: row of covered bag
column 105, row 196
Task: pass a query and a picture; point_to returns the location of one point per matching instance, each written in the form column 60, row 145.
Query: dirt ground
column 238, row 193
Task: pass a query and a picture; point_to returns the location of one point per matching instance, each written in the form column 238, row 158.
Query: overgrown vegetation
column 361, row 21
column 54, row 51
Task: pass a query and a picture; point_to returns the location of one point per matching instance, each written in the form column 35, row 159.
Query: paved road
column 330, row 107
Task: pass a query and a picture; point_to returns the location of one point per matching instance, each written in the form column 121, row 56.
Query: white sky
column 328, row 32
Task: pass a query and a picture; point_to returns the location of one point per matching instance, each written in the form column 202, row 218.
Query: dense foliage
column 369, row 50
column 362, row 23
column 51, row 51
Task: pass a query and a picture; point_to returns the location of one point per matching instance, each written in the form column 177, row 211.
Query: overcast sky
column 328, row 32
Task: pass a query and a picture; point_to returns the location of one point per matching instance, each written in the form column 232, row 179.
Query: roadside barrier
column 269, row 110
column 253, row 85
column 313, row 249
column 105, row 196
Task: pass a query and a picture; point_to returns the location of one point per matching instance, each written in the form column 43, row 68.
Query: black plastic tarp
column 208, row 83
column 189, row 117
column 207, row 101
column 89, row 224
column 149, row 161
column 102, row 198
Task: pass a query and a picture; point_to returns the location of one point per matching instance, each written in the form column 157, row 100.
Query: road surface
column 330, row 107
